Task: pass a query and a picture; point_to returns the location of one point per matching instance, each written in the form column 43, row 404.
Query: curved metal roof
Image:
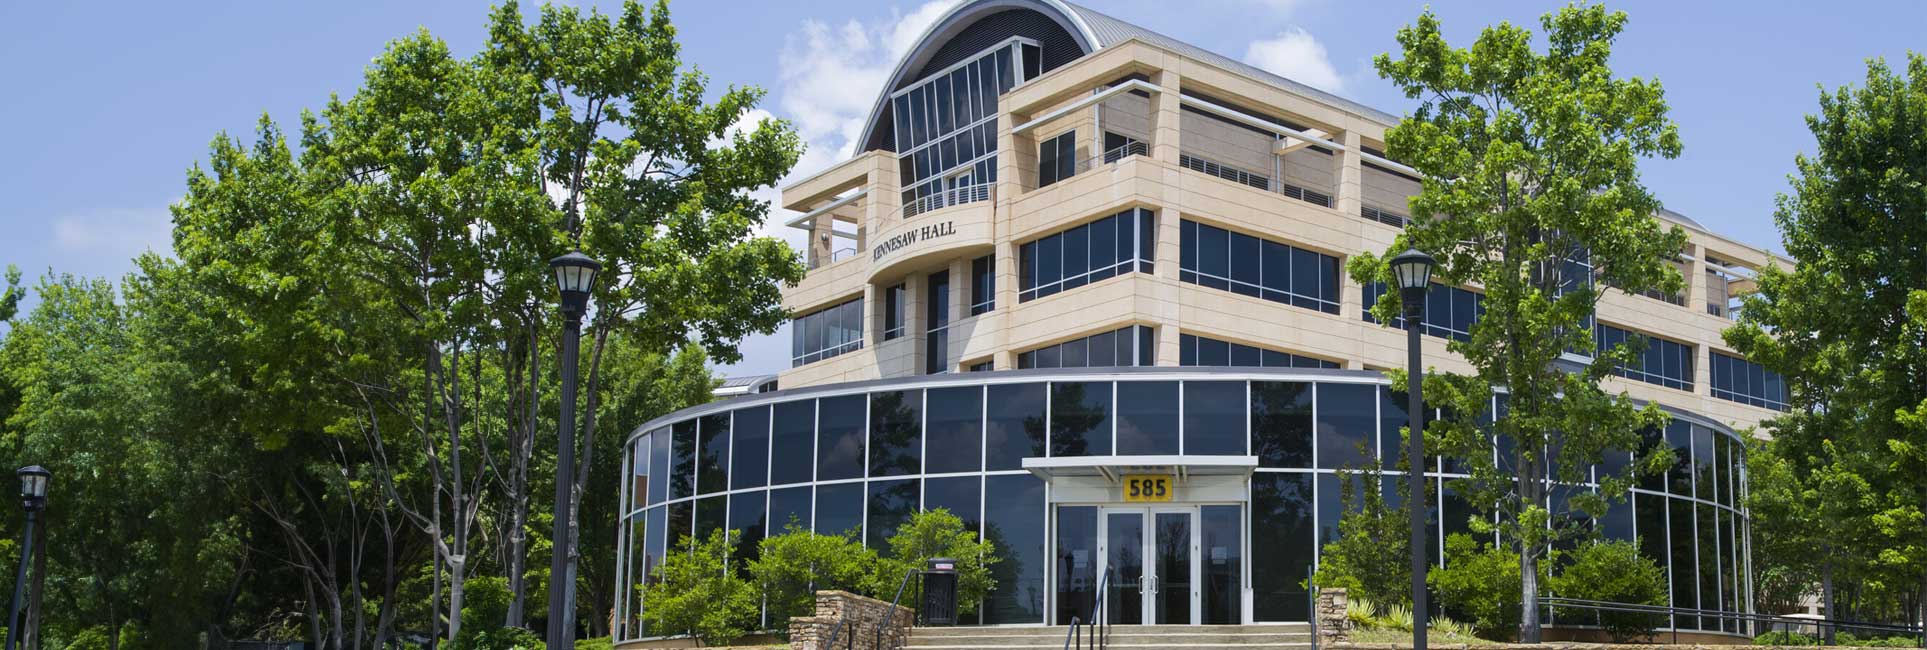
column 1093, row 31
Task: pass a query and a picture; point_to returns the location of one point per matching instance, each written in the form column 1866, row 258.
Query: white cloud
column 1296, row 54
column 829, row 76
column 115, row 233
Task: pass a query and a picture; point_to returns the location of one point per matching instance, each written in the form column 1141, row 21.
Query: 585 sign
column 1148, row 487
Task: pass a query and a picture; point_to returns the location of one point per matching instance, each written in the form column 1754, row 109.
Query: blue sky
column 108, row 105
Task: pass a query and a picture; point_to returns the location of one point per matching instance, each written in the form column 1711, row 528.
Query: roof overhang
column 1113, row 468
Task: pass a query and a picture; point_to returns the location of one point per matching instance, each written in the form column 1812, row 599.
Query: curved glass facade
column 859, row 458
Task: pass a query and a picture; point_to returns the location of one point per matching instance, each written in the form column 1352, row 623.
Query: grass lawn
column 1432, row 638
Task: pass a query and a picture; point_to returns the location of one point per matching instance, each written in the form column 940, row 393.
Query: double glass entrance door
column 1150, row 556
column 1166, row 565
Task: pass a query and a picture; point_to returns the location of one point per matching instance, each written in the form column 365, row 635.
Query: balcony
column 953, row 196
column 1265, row 182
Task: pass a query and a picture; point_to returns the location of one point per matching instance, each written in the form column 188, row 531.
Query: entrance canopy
column 1114, row 468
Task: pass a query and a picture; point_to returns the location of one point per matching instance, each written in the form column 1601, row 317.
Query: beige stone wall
column 1332, row 624
column 862, row 615
column 1022, row 212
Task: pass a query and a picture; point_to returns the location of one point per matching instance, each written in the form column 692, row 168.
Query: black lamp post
column 1413, row 270
column 575, row 277
column 33, row 495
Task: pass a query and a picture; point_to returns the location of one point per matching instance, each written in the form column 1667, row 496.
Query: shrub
column 1613, row 572
column 1781, row 638
column 794, row 564
column 597, row 643
column 1849, row 639
column 1480, row 584
column 933, row 534
column 699, row 596
column 496, row 638
column 1371, row 559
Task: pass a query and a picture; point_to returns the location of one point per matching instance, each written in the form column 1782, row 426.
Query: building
column 1075, row 255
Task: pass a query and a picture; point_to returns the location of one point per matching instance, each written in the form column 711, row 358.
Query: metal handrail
column 891, row 615
column 848, row 643
column 1769, row 619
column 1133, row 148
column 1100, row 637
column 953, row 196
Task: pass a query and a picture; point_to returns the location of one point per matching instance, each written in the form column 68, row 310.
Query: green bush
column 1371, row 559
column 1850, row 639
column 1613, row 572
column 495, row 638
column 933, row 534
column 1781, row 638
column 1479, row 585
column 792, row 565
column 598, row 643
column 699, row 596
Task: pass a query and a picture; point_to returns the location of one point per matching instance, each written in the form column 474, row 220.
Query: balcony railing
column 835, row 256
column 1133, row 148
column 947, row 198
column 1260, row 181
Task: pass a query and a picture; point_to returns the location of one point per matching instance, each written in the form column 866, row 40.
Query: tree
column 938, row 534
column 792, row 566
column 1531, row 192
column 699, row 595
column 654, row 182
column 1613, row 572
column 1858, row 386
column 1371, row 556
column 1480, row 585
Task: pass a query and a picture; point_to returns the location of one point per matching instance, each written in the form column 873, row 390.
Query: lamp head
column 33, row 485
column 575, row 276
column 1412, row 270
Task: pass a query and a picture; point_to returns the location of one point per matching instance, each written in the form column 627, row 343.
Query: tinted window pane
column 792, row 441
column 747, row 518
column 955, row 418
column 712, row 469
column 658, row 465
column 957, row 494
column 1076, row 568
column 1281, row 424
column 1281, row 524
column 789, row 506
column 1147, row 421
column 896, row 422
column 682, row 460
column 891, row 504
column 1346, row 422
column 839, row 509
column 1220, row 528
column 1014, row 524
column 749, row 449
column 1391, row 422
column 682, row 520
column 711, row 515
column 1685, row 571
column 1015, row 428
column 1214, row 418
column 1080, row 416
column 839, row 448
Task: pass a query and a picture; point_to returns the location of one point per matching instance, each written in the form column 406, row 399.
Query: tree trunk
column 314, row 614
column 1826, row 592
column 1529, row 488
column 520, row 451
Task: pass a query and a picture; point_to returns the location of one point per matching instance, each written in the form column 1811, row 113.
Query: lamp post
column 33, row 495
column 574, row 277
column 1413, row 270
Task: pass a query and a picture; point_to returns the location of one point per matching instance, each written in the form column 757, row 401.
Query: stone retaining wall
column 1332, row 624
column 864, row 614
column 1577, row 646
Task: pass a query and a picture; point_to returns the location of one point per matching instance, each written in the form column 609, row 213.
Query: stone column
column 1349, row 170
column 1333, row 626
column 1165, row 114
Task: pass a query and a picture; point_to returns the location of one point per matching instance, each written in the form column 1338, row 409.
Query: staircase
column 1290, row 636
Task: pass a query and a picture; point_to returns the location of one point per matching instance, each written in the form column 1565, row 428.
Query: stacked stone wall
column 862, row 615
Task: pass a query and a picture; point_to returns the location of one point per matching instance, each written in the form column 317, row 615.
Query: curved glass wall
column 860, row 458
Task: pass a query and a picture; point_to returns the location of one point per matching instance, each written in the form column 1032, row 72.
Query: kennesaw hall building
column 1084, row 287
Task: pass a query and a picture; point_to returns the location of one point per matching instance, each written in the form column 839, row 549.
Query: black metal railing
column 1100, row 622
column 892, row 614
column 849, row 641
column 1746, row 623
column 953, row 196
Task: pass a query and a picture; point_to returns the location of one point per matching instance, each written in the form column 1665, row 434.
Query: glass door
column 1124, row 564
column 1174, row 593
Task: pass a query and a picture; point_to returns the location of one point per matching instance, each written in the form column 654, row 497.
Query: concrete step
column 1122, row 637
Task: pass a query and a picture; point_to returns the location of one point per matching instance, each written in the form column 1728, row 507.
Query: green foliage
column 1782, row 638
column 1480, row 585
column 484, row 605
column 483, row 637
column 10, row 298
column 1530, row 166
column 1850, row 639
column 933, row 534
column 1857, row 386
column 1371, row 559
column 1613, row 572
column 698, row 595
column 792, row 565
column 597, row 643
